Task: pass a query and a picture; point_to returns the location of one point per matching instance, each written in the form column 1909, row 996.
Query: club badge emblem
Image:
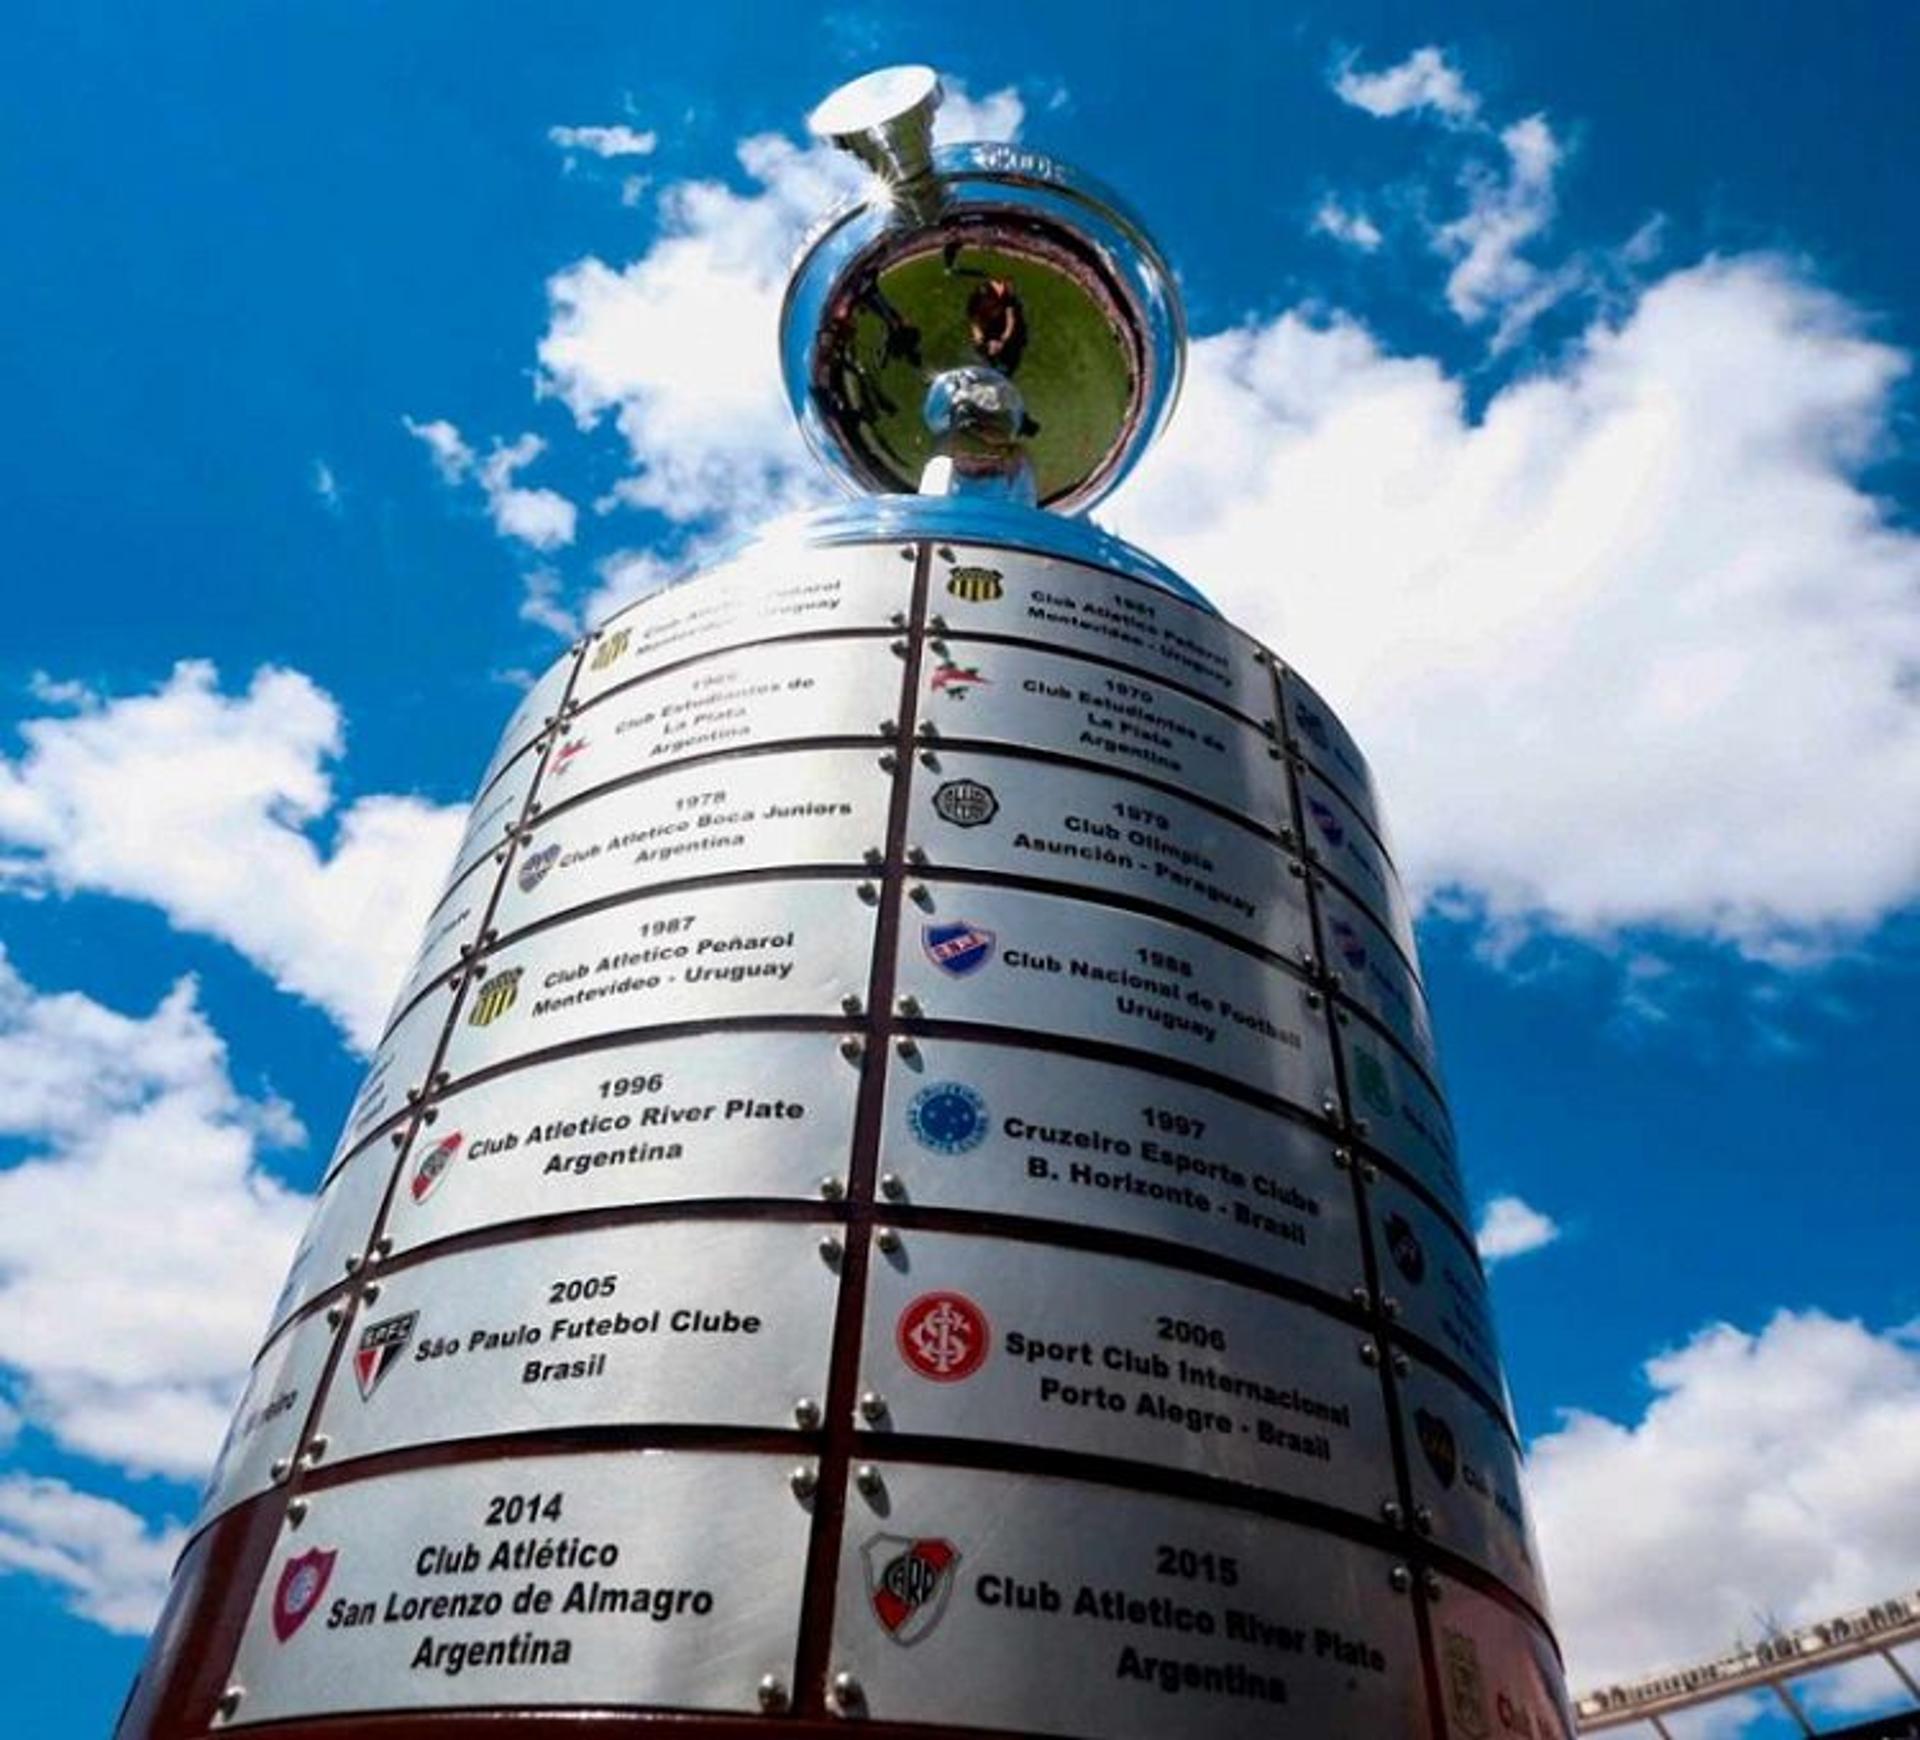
column 956, row 680
column 534, row 867
column 1329, row 824
column 1466, row 1687
column 976, row 585
column 1312, row 726
column 908, row 1583
column 495, row 998
column 303, row 1580
column 568, row 752
column 1438, row 1445
column 966, row 803
column 1409, row 1255
column 433, row 1166
column 1350, row 943
column 944, row 1337
column 1370, row 1080
column 948, row 1117
column 957, row 949
column 381, row 1345
column 612, row 648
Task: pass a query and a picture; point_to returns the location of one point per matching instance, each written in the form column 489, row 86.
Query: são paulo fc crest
column 1326, row 821
column 381, row 1345
column 966, row 803
column 1409, row 1255
column 1437, row 1445
column 948, row 1117
column 535, row 865
column 957, row 949
column 908, row 1583
column 943, row 1337
column 432, row 1167
column 303, row 1580
column 495, row 997
column 976, row 585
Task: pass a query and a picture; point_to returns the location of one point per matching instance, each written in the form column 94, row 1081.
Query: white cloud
column 1353, row 227
column 1426, row 81
column 452, row 457
column 326, row 486
column 201, row 803
column 543, row 519
column 1631, row 648
column 677, row 347
column 616, row 141
column 112, row 1566
column 1511, row 1227
column 1504, row 213
column 1772, row 1476
column 140, row 1242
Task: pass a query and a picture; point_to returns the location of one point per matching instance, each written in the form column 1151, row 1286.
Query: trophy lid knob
column 885, row 119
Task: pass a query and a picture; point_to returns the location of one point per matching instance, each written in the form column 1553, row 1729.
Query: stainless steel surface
column 649, row 1578
column 1375, row 975
column 1032, row 962
column 1467, row 1474
column 710, row 1323
column 1399, row 1113
column 762, row 1115
column 762, row 812
column 529, row 718
column 1348, row 850
column 1119, row 722
column 1498, row 1674
column 748, row 949
column 495, row 811
column 1006, row 1601
column 272, row 1409
column 1316, row 734
column 1018, row 1343
column 399, row 1067
column 338, row 1229
column 1099, row 832
column 1001, row 1130
column 1073, row 607
column 454, row 926
column 775, row 587
column 1434, row 1274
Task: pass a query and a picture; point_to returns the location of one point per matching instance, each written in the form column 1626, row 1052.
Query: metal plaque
column 399, row 1067
column 1072, row 608
column 1005, row 1601
column 1032, row 818
column 1431, row 1270
column 338, row 1229
column 1396, row 1111
column 623, row 1578
column 749, row 949
column 710, row 1323
column 1000, row 1130
column 753, row 1115
column 1466, row 1474
column 266, row 1424
column 1032, row 962
column 1374, row 975
column 455, row 925
column 1025, row 1344
column 537, row 707
column 1318, row 737
column 495, row 811
column 763, row 812
column 1498, row 1674
column 765, row 593
column 1002, row 694
column 1337, row 841
column 737, row 700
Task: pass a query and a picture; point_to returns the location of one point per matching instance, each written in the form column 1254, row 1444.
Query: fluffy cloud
column 1425, row 82
column 1353, row 227
column 677, row 348
column 1511, row 1227
column 1631, row 647
column 543, row 519
column 111, row 1565
column 1783, row 1469
column 617, row 141
column 196, row 801
column 139, row 1146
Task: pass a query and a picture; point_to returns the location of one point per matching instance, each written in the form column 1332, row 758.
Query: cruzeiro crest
column 976, row 585
column 612, row 648
column 381, row 1345
column 303, row 1580
column 495, row 997
column 1466, row 1687
column 908, row 1583
column 948, row 1117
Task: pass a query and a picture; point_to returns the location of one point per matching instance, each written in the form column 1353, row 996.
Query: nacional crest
column 944, row 1337
column 1351, row 945
column 966, row 803
column 1437, row 1445
column 1466, row 1687
column 612, row 648
column 957, row 949
column 432, row 1167
column 495, row 998
column 908, row 1583
column 569, row 752
column 948, row 1117
column 956, row 680
column 1370, row 1082
column 1329, row 824
column 381, row 1345
column 1312, row 726
column 976, row 585
column 535, row 865
column 303, row 1580
column 1403, row 1243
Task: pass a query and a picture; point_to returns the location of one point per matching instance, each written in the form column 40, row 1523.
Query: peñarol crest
column 612, row 648
column 495, row 997
column 976, row 585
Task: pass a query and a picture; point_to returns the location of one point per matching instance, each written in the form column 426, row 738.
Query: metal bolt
column 318, row 1448
column 1359, row 1296
column 920, row 896
column 1390, row 1513
column 383, row 1247
column 280, row 1470
column 1369, row 1354
column 296, row 1513
column 905, row 1046
column 1296, row 870
column 873, row 1405
column 891, row 1186
column 946, row 552
column 806, row 1413
column 899, row 617
column 1390, row 1305
column 873, row 855
column 929, row 732
column 399, row 1137
column 888, row 1239
column 889, row 761
column 898, row 648
column 335, row 1314
column 1340, row 1015
column 230, row 1701
column 938, row 623
column 372, row 1292
column 1364, row 1126
column 1342, row 1158
column 929, row 760
column 850, row 1004
column 1314, row 999
column 906, row 552
column 1423, row 1519
column 908, row 1006
column 888, row 728
column 773, row 1693
column 432, row 1115
column 1368, row 1172
column 1430, row 1582
column 867, row 1478
column 868, row 893
column 1306, row 959
column 1401, row 1579
column 831, row 1251
column 832, row 1189
column 352, row 1264
column 805, row 1481
column 847, row 1691
column 852, row 1048
column 916, row 854
column 1401, row 1364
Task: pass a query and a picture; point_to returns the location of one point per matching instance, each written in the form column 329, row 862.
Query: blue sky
column 1549, row 405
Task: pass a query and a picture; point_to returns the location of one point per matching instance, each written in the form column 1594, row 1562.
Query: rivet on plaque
column 805, row 1481
column 889, row 762
column 848, row 1693
column 867, row 1478
column 850, row 1004
column 907, row 1005
column 1390, row 1512
column 1401, row 1364
column 772, row 1693
column 1369, row 1353
column 229, row 1702
column 832, row 1189
column 891, row 1186
column 906, row 1046
column 888, row 1239
column 1401, row 1579
column 873, row 1406
column 852, row 1048
column 806, row 1413
column 296, row 1513
column 831, row 1250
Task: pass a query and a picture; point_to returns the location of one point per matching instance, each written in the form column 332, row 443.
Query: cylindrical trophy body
column 908, row 1183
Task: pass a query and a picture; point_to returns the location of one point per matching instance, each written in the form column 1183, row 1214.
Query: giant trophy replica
column 908, row 1184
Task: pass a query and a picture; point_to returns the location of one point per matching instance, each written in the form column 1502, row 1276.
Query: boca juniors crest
column 303, row 1580
column 908, row 1583
column 957, row 949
